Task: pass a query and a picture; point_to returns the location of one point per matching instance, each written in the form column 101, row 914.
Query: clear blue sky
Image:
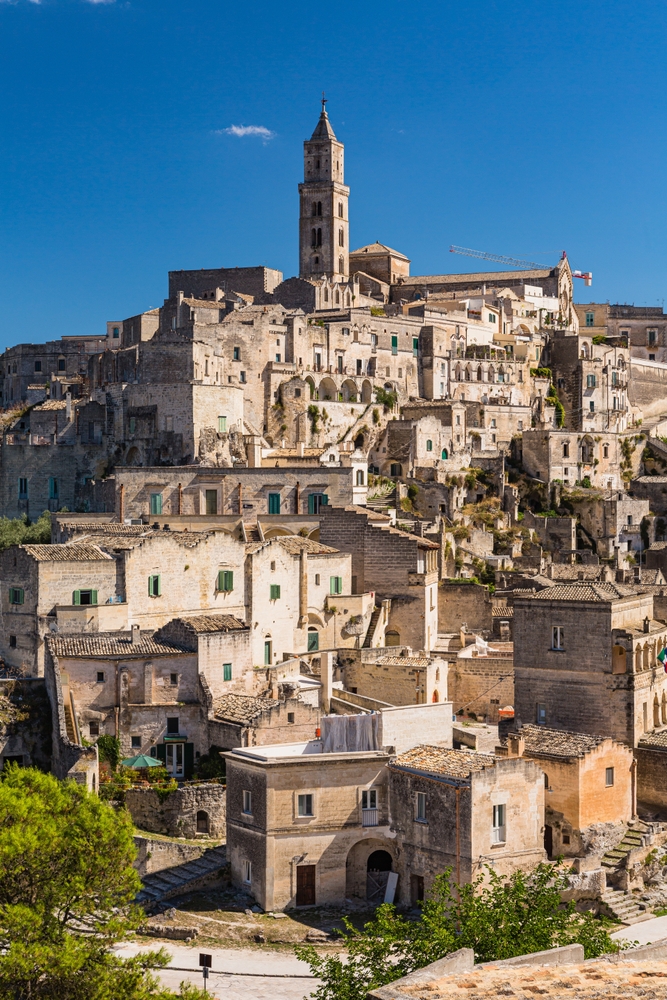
column 513, row 127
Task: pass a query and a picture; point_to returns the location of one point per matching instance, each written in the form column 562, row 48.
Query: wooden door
column 305, row 885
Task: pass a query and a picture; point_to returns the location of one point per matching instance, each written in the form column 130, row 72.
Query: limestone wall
column 176, row 815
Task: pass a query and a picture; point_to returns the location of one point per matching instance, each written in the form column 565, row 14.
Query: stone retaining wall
column 176, row 815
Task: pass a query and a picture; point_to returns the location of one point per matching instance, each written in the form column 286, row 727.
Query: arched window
column 319, row 237
column 436, row 697
column 429, row 445
column 480, row 374
column 360, row 477
column 313, row 639
column 492, row 374
column 340, row 210
column 326, row 294
column 392, row 638
column 313, row 238
column 656, row 711
column 337, row 296
column 468, row 374
column 319, row 204
column 314, row 208
column 341, row 265
column 341, row 238
column 444, row 453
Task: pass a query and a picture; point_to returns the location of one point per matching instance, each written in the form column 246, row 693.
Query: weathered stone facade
column 189, row 811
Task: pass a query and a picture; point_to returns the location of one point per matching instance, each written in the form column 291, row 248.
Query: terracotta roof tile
column 69, row 552
column 201, row 624
column 556, row 743
column 241, row 708
column 110, row 644
column 439, row 760
column 596, row 592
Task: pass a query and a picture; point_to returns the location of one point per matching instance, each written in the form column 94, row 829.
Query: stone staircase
column 624, row 907
column 636, row 836
column 181, row 878
column 371, row 628
column 382, row 499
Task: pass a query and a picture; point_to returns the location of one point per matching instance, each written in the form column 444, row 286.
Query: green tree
column 497, row 916
column 22, row 531
column 66, row 891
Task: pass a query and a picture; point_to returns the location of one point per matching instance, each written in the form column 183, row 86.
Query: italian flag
column 662, row 656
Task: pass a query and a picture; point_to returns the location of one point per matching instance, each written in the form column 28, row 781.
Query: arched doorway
column 392, row 638
column 378, row 868
column 366, row 391
column 202, row 821
column 327, row 389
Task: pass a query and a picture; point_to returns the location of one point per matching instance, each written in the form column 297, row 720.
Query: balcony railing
column 369, row 817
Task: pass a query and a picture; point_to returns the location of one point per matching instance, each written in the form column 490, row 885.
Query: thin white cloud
column 241, row 131
column 94, row 1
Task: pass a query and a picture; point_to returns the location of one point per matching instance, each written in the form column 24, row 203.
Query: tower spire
column 323, row 223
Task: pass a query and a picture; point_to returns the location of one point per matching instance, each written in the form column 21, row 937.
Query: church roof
column 323, row 129
column 379, row 248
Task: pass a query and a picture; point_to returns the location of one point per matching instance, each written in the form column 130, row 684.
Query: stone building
column 592, row 382
column 590, row 782
column 29, row 364
column 585, row 660
column 308, row 828
column 571, row 456
column 242, row 721
column 463, row 810
column 394, row 566
column 481, row 680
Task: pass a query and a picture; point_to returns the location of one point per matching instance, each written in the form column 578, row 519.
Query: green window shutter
column 311, row 503
column 274, row 503
column 225, row 580
column 324, row 500
column 159, row 586
column 275, row 592
column 161, row 752
column 415, row 346
column 226, row 671
column 394, row 344
column 222, row 425
column 156, row 503
column 76, row 597
column 336, row 585
column 313, row 642
column 150, row 586
column 20, row 595
column 429, row 445
column 93, row 597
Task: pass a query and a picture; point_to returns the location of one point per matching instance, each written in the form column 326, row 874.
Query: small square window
column 247, row 872
column 226, row 671
column 242, row 376
column 237, row 354
column 100, row 677
column 173, row 679
column 290, row 717
column 154, row 586
column 273, row 565
column 317, row 579
column 226, row 580
column 12, row 642
column 566, row 838
column 247, row 803
column 94, row 728
column 136, row 742
column 557, row 637
column 23, row 488
column 156, row 503
column 541, row 715
column 498, row 833
column 305, row 805
column 609, row 777
column 38, row 366
column 222, row 425
column 274, row 592
column 16, row 595
column 172, row 726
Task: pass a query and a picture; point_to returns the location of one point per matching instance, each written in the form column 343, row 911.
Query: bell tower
column 324, row 228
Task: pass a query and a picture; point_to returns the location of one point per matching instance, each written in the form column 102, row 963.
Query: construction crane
column 515, row 262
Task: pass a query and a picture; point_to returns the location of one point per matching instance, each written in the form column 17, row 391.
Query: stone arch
column 310, row 382
column 491, row 374
column 480, row 373
column 458, row 373
column 359, row 442
column 645, row 656
column 203, row 824
column 327, row 389
column 663, row 709
column 656, row 712
column 618, row 660
column 436, row 697
column 357, row 863
column 277, row 532
column 349, row 391
column 638, row 658
column 584, row 350
column 132, row 457
column 468, row 374
column 366, row 391
column 315, row 534
column 587, row 449
column 392, row 637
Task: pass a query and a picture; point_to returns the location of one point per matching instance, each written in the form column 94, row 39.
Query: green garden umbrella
column 143, row 760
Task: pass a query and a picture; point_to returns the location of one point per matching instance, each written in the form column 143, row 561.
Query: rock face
column 25, row 723
column 185, row 812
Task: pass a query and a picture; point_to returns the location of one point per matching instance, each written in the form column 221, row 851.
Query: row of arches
column 348, row 392
column 482, row 373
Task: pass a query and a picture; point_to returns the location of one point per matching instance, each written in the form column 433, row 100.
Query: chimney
column 516, row 745
column 136, row 635
column 301, row 448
